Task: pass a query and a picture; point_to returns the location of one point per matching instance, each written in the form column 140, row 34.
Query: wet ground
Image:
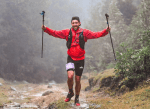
column 29, row 96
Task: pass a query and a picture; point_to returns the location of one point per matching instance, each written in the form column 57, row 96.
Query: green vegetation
column 3, row 98
column 102, row 58
column 5, row 88
column 4, row 92
column 133, row 57
column 138, row 99
column 134, row 65
column 131, row 37
column 104, row 74
column 133, row 54
column 60, row 104
column 96, row 89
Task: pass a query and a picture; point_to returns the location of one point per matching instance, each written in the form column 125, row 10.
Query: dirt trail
column 30, row 96
column 60, row 91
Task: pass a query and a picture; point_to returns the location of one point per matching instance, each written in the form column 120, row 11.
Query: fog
column 21, row 37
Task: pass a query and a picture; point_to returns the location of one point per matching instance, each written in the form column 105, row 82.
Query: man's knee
column 70, row 74
column 78, row 78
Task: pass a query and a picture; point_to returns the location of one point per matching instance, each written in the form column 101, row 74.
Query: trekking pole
column 107, row 16
column 43, row 12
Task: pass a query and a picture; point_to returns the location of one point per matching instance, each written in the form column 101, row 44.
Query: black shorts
column 79, row 66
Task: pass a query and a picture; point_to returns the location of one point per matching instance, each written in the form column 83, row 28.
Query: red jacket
column 75, row 52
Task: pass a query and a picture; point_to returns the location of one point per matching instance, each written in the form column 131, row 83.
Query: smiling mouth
column 75, row 27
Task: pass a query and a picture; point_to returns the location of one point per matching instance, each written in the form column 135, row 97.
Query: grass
column 105, row 74
column 60, row 104
column 3, row 100
column 5, row 88
column 102, row 75
column 137, row 99
column 95, row 89
column 4, row 92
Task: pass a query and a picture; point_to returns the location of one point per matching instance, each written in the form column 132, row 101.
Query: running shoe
column 69, row 96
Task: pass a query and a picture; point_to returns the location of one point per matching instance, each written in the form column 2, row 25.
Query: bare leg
column 70, row 86
column 78, row 84
column 70, row 79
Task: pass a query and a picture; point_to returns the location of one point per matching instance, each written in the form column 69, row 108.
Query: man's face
column 75, row 24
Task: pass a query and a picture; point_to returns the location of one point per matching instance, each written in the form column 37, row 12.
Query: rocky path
column 33, row 96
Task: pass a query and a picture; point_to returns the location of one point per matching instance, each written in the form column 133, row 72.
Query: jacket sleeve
column 57, row 33
column 93, row 35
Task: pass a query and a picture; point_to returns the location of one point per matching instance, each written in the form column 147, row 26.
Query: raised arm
column 56, row 33
column 93, row 35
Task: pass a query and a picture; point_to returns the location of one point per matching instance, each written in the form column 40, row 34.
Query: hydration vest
column 81, row 40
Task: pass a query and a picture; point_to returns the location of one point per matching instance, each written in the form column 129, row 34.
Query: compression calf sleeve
column 70, row 90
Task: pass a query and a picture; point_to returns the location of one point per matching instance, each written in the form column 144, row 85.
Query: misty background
column 21, row 36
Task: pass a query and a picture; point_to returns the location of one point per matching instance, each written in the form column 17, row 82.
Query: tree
column 103, row 56
column 134, row 62
column 127, row 9
column 20, row 39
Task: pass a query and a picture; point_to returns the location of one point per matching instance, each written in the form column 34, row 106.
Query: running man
column 76, row 38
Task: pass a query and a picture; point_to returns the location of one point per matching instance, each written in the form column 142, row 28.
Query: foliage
column 111, row 65
column 20, row 40
column 138, row 98
column 133, row 62
column 128, row 9
column 60, row 104
column 105, row 74
column 102, row 57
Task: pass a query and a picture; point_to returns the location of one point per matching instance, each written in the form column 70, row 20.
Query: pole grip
column 107, row 16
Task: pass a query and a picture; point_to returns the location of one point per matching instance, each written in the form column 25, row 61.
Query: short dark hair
column 75, row 18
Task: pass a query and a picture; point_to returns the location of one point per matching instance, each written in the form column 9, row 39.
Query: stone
column 14, row 81
column 1, row 84
column 91, row 82
column 29, row 105
column 52, row 83
column 16, row 105
column 95, row 105
column 106, row 82
column 12, row 88
column 84, row 77
column 25, row 82
column 52, row 106
column 47, row 93
column 49, row 86
column 87, row 88
column 12, row 106
column 65, row 93
column 85, row 106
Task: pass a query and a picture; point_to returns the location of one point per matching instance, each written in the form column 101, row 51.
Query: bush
column 134, row 65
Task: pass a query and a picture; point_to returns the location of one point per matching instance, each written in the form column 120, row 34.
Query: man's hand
column 108, row 29
column 43, row 27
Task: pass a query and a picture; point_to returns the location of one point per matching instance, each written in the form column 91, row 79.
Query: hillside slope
column 98, row 95
column 108, row 93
